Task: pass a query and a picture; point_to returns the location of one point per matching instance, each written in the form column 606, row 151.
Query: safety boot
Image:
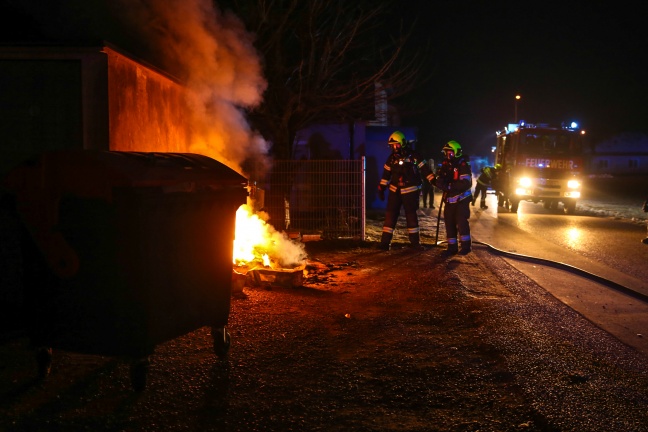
column 466, row 247
column 385, row 241
column 451, row 250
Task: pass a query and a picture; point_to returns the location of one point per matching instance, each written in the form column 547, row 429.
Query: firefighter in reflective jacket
column 454, row 178
column 402, row 176
column 484, row 180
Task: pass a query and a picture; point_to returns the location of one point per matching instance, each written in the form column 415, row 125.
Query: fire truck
column 540, row 163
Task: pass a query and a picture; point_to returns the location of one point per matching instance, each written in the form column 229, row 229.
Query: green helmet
column 397, row 137
column 454, row 147
column 498, row 166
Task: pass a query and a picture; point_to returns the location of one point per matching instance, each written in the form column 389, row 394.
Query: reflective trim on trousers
column 464, row 238
column 387, row 229
column 452, row 241
column 413, row 230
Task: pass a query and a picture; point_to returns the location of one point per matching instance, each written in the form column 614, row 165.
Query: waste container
column 123, row 251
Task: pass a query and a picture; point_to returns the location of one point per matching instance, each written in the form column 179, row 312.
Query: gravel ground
column 373, row 341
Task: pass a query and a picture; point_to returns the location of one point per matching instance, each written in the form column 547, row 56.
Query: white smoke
column 214, row 54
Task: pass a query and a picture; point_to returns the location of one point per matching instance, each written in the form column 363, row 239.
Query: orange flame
column 257, row 242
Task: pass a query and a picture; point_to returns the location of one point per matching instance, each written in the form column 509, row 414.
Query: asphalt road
column 607, row 248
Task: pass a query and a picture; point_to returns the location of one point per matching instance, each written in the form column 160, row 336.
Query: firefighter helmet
column 498, row 166
column 454, row 147
column 397, row 137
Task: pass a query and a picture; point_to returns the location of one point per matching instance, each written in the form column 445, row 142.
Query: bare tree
column 323, row 61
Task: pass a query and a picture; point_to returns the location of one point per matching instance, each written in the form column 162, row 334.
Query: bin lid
column 94, row 173
column 40, row 183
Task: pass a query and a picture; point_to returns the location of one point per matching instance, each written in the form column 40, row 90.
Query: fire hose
column 550, row 263
column 436, row 239
column 567, row 267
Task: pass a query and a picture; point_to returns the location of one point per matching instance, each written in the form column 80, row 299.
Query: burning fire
column 256, row 242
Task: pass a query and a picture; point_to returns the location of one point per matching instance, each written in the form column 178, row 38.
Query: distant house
column 623, row 154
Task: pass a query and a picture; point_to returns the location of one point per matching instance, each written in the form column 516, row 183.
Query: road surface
column 605, row 247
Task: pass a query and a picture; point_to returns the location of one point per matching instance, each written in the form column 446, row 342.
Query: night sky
column 570, row 60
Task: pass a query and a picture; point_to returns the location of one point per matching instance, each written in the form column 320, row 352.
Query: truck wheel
column 222, row 341
column 514, row 206
column 570, row 207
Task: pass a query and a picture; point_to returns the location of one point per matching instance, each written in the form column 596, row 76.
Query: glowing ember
column 257, row 242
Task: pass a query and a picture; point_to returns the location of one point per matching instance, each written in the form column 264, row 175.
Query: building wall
column 91, row 97
column 40, row 108
column 147, row 110
column 624, row 154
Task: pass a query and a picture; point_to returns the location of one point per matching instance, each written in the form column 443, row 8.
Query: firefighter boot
column 466, row 247
column 415, row 242
column 451, row 250
column 483, row 204
column 385, row 240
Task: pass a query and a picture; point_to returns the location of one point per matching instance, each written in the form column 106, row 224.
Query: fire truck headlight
column 573, row 184
column 525, row 182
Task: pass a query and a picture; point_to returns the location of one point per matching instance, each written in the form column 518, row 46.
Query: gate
column 317, row 197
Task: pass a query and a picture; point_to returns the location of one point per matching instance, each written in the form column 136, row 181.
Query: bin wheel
column 138, row 373
column 222, row 341
column 44, row 361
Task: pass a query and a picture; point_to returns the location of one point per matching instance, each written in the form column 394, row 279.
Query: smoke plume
column 210, row 51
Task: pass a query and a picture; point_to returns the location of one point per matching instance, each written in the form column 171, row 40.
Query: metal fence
column 317, row 197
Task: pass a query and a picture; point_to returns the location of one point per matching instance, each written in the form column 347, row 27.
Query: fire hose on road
column 567, row 267
column 543, row 261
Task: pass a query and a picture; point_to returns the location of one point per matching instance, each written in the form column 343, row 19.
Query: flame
column 255, row 241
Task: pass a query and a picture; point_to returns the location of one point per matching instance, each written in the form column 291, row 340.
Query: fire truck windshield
column 550, row 143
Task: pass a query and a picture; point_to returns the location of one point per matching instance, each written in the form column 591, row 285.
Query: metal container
column 123, row 251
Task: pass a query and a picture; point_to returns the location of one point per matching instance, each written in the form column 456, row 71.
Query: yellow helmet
column 397, row 137
column 454, row 147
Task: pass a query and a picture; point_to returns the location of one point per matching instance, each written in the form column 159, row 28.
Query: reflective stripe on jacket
column 457, row 198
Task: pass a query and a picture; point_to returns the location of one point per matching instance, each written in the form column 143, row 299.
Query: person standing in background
column 427, row 188
column 484, row 181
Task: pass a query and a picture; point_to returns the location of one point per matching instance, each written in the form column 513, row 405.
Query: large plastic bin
column 123, row 251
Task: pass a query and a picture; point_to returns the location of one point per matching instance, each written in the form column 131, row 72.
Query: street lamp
column 517, row 98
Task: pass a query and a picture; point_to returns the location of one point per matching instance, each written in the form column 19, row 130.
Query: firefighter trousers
column 480, row 189
column 410, row 202
column 456, row 217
